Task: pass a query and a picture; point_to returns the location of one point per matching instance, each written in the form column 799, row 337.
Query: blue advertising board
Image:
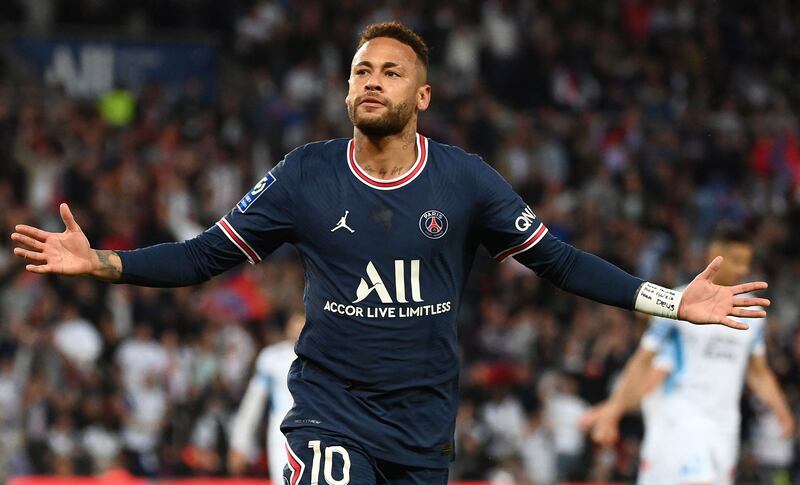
column 89, row 68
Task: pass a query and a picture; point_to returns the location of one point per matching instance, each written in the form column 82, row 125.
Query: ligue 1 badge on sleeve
column 254, row 194
column 433, row 224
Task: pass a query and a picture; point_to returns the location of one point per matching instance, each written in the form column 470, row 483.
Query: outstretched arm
column 702, row 302
column 260, row 223
column 763, row 383
column 509, row 228
column 163, row 265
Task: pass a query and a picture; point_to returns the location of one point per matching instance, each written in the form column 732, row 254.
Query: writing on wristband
column 658, row 301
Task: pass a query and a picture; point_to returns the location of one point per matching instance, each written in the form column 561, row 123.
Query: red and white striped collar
column 395, row 183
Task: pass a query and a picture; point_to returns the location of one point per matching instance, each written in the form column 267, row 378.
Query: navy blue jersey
column 385, row 264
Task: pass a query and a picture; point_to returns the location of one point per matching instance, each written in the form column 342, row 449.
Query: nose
column 373, row 84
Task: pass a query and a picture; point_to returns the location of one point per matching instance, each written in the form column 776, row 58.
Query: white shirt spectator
column 148, row 406
column 505, row 419
column 304, row 83
column 259, row 25
column 238, row 349
column 563, row 412
column 500, row 30
column 178, row 370
column 205, row 434
column 538, row 457
column 78, row 341
column 462, row 50
column 101, row 445
column 10, row 394
column 136, row 358
column 61, row 437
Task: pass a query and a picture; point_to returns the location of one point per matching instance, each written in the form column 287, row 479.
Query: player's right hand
column 66, row 253
column 237, row 462
column 603, row 424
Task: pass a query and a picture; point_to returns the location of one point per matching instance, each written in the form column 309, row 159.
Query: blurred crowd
column 632, row 127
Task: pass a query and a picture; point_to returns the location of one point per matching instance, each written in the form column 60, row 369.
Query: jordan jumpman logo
column 343, row 223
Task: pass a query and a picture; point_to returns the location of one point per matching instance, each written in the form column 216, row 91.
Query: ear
column 423, row 97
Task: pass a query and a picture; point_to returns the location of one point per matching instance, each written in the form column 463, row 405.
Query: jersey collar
column 395, row 183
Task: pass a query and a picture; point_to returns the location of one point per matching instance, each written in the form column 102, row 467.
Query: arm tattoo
column 110, row 271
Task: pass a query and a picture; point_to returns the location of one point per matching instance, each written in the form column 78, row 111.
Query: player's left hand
column 705, row 302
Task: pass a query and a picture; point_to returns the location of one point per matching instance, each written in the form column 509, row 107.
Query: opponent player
column 691, row 380
column 375, row 382
column 267, row 388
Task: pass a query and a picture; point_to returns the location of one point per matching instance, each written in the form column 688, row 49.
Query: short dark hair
column 397, row 31
column 729, row 232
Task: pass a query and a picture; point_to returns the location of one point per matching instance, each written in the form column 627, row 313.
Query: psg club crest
column 433, row 224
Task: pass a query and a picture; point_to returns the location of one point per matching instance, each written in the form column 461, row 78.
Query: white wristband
column 658, row 301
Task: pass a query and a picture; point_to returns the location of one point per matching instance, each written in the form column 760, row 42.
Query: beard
column 392, row 122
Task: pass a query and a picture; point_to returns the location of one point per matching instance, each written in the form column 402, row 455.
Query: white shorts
column 678, row 455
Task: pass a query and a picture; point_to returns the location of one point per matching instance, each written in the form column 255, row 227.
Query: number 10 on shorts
column 328, row 465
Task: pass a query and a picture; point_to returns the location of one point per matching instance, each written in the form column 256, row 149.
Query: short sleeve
column 658, row 333
column 263, row 219
column 507, row 224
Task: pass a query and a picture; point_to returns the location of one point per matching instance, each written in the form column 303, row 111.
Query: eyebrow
column 386, row 65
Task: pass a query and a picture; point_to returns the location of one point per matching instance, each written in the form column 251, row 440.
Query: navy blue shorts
column 320, row 457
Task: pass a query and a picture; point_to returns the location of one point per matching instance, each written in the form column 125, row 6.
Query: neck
column 386, row 157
